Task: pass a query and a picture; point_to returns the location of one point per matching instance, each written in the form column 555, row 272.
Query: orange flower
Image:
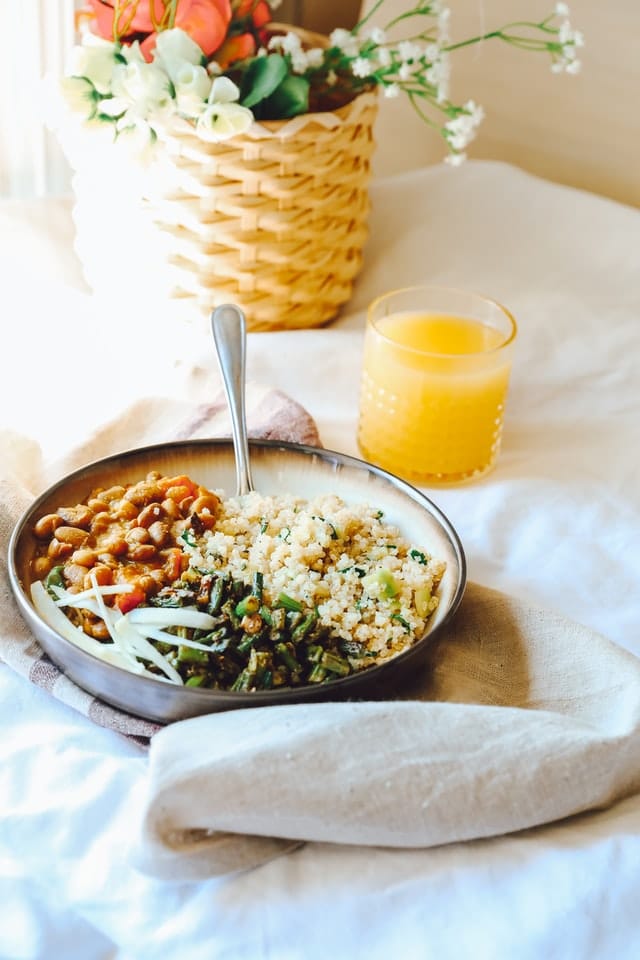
column 133, row 18
column 236, row 48
column 206, row 21
column 259, row 12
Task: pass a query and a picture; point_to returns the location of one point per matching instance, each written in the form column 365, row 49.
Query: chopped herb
column 407, row 626
column 189, row 537
column 417, row 555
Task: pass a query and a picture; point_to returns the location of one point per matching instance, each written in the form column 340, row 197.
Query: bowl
column 277, row 468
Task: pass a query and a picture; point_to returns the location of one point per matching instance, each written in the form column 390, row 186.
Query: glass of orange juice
column 434, row 383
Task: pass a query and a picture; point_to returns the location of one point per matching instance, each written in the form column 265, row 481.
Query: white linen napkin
column 517, row 717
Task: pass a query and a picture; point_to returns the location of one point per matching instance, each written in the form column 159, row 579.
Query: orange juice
column 433, row 394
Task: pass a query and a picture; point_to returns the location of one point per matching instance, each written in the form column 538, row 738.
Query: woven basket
column 274, row 220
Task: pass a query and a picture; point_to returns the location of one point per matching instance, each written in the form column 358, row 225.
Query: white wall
column 580, row 130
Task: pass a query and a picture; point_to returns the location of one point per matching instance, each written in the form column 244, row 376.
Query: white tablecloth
column 558, row 522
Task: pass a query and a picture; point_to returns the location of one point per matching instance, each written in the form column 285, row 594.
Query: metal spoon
column 228, row 326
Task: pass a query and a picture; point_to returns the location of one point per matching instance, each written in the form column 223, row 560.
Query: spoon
column 229, row 326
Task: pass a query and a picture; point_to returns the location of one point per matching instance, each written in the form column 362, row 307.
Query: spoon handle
column 228, row 326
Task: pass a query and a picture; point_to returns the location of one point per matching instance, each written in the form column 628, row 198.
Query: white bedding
column 558, row 521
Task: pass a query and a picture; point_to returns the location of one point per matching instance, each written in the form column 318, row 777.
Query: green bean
column 304, row 626
column 55, row 579
column 288, row 603
column 250, row 604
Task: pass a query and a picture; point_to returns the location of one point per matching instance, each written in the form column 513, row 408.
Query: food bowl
column 278, row 468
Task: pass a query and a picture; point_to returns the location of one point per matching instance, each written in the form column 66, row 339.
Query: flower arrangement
column 220, row 65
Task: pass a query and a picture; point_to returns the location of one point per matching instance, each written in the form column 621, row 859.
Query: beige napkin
column 270, row 415
column 517, row 718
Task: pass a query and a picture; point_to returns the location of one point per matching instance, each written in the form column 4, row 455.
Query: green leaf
column 290, row 99
column 263, row 76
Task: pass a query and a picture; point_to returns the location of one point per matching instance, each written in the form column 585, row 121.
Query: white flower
column 219, row 121
column 193, row 86
column 376, row 35
column 94, row 60
column 137, row 138
column 173, row 49
column 346, row 41
column 315, row 56
column 404, row 73
column 79, row 96
column 361, row 67
column 141, row 90
column 289, row 43
column 561, row 10
column 224, row 90
column 461, row 130
column 383, row 56
column 408, row 50
column 391, row 91
column 455, row 159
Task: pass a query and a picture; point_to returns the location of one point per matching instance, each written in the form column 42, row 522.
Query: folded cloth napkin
column 270, row 415
column 516, row 718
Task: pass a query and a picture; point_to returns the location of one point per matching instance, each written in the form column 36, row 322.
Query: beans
column 46, row 526
column 59, row 551
column 73, row 535
column 137, row 535
column 100, row 523
column 125, row 510
column 113, row 493
column 124, row 533
column 42, row 566
column 208, row 503
column 150, row 514
column 116, row 545
column 103, row 574
column 159, row 533
column 85, row 556
column 76, row 575
column 171, row 509
column 178, row 493
column 144, row 492
column 78, row 516
column 142, row 552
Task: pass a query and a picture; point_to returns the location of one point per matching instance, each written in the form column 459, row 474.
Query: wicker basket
column 274, row 220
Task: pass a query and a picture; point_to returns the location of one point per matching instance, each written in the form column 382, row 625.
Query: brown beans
column 113, row 493
column 75, row 574
column 73, row 535
column 142, row 552
column 59, row 551
column 207, row 503
column 171, row 509
column 125, row 510
column 178, row 493
column 137, row 535
column 150, row 514
column 116, row 545
column 144, row 492
column 42, row 566
column 85, row 556
column 100, row 523
column 103, row 574
column 46, row 526
column 79, row 516
column 159, row 533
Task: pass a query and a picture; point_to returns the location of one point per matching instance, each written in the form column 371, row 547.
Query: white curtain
column 35, row 39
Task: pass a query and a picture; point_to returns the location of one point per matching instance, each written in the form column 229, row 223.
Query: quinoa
column 366, row 581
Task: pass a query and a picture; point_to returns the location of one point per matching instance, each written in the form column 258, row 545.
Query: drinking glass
column 435, row 375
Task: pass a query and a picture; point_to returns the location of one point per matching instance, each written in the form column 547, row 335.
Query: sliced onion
column 172, row 617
